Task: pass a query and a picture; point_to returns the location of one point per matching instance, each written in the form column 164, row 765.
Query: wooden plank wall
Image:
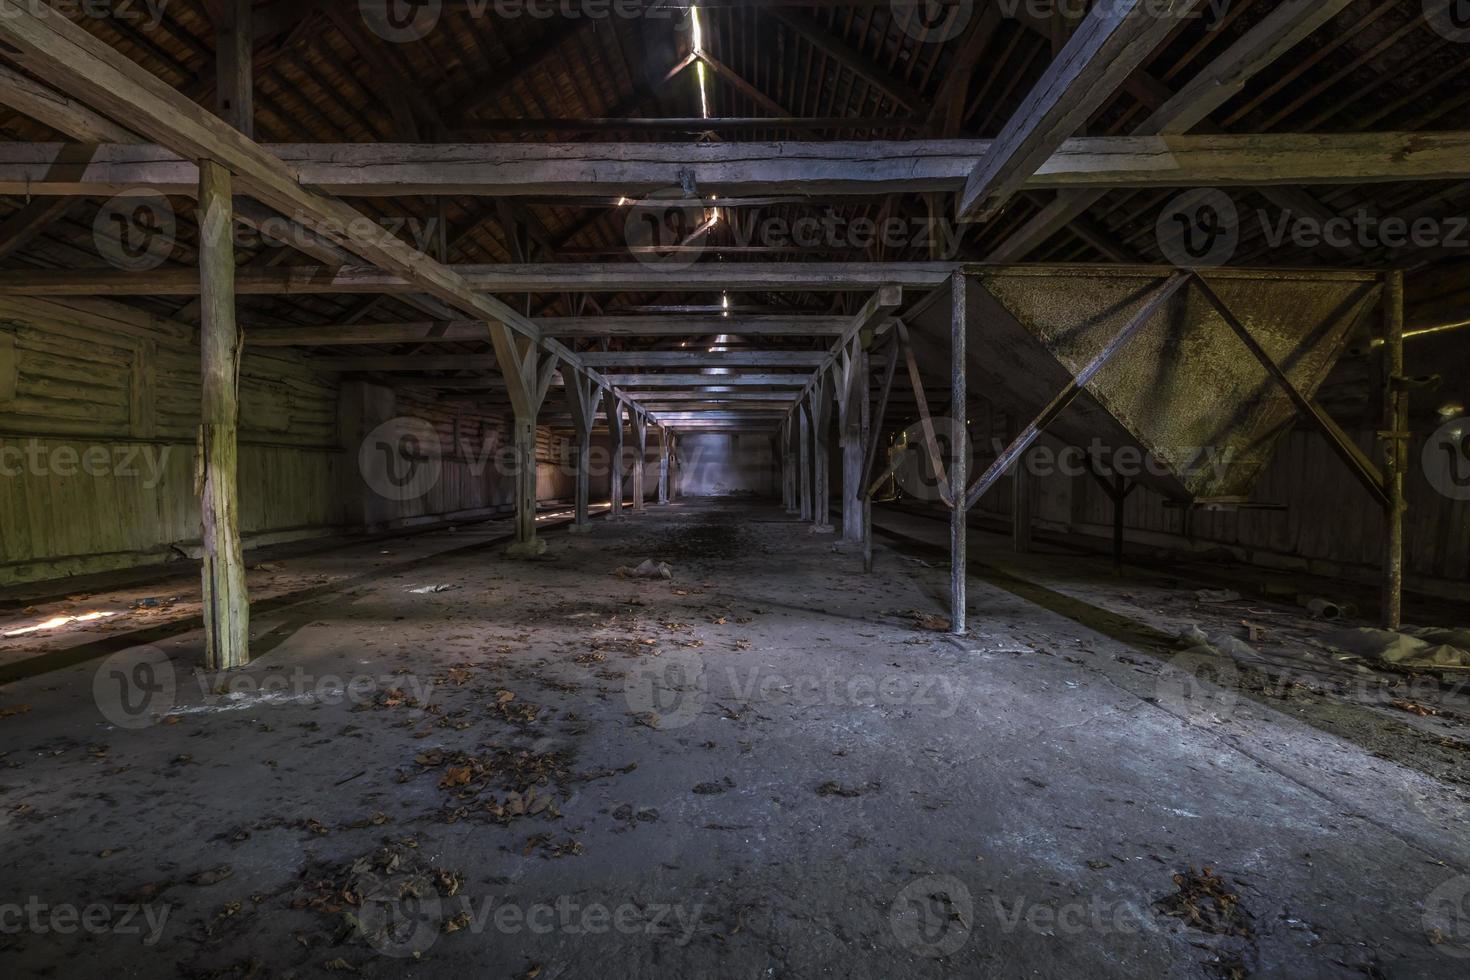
column 1329, row 525
column 90, row 379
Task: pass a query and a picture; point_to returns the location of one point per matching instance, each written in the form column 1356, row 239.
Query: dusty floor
column 770, row 765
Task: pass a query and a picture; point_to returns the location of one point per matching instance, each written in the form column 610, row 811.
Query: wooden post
column 820, row 398
column 614, row 410
column 226, row 603
column 528, row 374
column 582, row 401
column 804, row 461
column 789, row 460
column 527, row 544
column 235, row 82
column 663, row 464
column 958, row 466
column 640, row 463
column 1396, row 434
column 854, row 443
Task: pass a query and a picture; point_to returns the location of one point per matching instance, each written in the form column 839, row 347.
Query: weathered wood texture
column 97, row 445
column 834, row 168
column 226, row 605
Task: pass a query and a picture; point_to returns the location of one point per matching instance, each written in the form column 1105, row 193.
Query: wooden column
column 788, row 463
column 582, row 402
column 854, row 416
column 615, row 463
column 226, row 603
column 663, row 464
column 640, row 463
column 528, row 374
column 235, row 82
column 804, row 462
column 959, row 465
column 526, row 542
column 1396, row 455
column 820, row 398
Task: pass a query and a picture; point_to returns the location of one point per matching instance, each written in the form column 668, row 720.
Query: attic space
column 735, row 488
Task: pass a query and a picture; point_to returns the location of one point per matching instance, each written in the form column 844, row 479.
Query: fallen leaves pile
column 392, row 874
column 1206, row 903
column 525, row 778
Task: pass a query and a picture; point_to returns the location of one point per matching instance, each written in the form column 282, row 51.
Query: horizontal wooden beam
column 737, row 380
column 613, row 277
column 459, row 331
column 817, row 168
column 1112, row 40
column 656, row 398
column 678, row 124
column 703, row 359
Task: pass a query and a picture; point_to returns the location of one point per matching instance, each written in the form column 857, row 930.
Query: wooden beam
column 704, row 359
column 1221, row 80
column 60, row 112
column 613, row 277
column 809, row 168
column 475, row 130
column 1113, row 40
column 738, row 82
column 108, row 82
column 738, row 380
column 459, row 331
column 226, row 604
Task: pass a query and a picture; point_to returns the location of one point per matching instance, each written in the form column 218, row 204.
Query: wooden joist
column 459, row 331
column 1223, row 78
column 633, row 382
column 1112, row 40
column 107, row 82
column 509, row 278
column 704, row 359
column 833, row 168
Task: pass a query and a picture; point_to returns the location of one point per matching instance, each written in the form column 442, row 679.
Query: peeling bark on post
column 226, row 603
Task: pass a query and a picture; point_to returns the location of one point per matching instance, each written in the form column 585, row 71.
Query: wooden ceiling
column 774, row 70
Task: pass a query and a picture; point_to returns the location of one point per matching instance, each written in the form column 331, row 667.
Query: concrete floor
column 768, row 766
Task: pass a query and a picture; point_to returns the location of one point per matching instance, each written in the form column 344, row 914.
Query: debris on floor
column 647, row 569
column 1206, row 903
column 1429, row 648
